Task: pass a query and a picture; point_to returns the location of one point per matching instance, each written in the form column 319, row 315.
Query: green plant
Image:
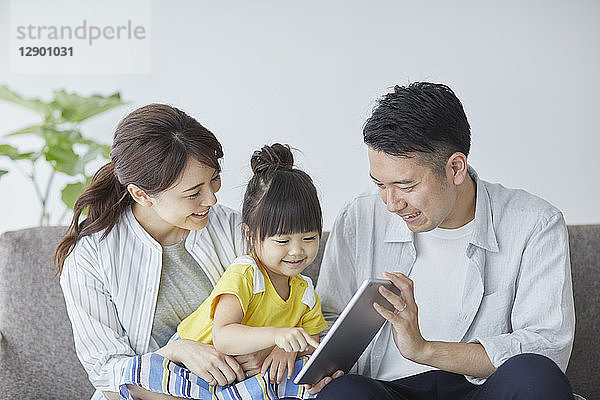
column 62, row 144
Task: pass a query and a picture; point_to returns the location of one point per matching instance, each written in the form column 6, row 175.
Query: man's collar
column 396, row 229
column 484, row 235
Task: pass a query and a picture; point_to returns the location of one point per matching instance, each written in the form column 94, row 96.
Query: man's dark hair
column 423, row 118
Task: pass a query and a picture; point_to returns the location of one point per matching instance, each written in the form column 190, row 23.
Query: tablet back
column 350, row 334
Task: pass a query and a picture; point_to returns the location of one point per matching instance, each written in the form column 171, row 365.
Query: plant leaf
column 76, row 108
column 3, row 172
column 35, row 129
column 40, row 107
column 73, row 135
column 106, row 151
column 42, row 130
column 13, row 153
column 58, row 151
column 8, row 151
column 94, row 150
column 71, row 193
column 60, row 154
column 60, row 134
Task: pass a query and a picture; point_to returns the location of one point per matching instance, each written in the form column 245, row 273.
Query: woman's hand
column 252, row 363
column 204, row 361
column 279, row 361
column 294, row 339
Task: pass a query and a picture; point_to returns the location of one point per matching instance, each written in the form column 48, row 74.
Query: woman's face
column 184, row 206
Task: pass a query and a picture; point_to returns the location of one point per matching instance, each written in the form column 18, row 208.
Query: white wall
column 308, row 73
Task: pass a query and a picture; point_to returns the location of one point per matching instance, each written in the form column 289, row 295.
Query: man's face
column 425, row 200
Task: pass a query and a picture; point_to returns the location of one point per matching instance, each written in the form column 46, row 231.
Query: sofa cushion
column 37, row 355
column 583, row 372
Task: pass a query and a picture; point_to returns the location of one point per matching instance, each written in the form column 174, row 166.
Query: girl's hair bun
column 269, row 158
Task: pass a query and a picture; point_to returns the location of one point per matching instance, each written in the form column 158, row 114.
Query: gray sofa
column 37, row 358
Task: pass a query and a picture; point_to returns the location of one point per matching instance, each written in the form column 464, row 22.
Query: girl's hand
column 279, row 361
column 294, row 339
column 204, row 361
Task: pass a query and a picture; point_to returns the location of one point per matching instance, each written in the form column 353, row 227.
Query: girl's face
column 288, row 255
column 184, row 206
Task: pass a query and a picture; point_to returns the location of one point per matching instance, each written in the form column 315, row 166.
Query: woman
column 153, row 234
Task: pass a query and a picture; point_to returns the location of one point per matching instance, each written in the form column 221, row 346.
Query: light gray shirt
column 183, row 287
column 518, row 295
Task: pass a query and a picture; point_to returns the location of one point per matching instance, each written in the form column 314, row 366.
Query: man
column 486, row 310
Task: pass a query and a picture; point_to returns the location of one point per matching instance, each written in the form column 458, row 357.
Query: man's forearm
column 461, row 358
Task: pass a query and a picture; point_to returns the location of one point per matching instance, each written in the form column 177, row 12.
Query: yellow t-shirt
column 260, row 302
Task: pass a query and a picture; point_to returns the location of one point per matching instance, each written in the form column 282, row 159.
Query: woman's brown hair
column 150, row 149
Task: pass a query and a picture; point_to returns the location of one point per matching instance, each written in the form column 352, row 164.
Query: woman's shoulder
column 224, row 218
column 224, row 228
column 127, row 230
column 123, row 239
column 84, row 259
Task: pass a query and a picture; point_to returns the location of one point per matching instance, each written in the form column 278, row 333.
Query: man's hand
column 317, row 387
column 252, row 363
column 459, row 358
column 279, row 361
column 404, row 318
column 204, row 361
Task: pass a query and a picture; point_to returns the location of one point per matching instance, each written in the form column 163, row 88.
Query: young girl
column 261, row 301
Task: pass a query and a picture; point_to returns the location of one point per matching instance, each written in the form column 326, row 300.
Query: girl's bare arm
column 231, row 337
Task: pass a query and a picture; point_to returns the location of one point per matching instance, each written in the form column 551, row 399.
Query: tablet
column 350, row 334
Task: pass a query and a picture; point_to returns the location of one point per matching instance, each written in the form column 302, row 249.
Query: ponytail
column 105, row 200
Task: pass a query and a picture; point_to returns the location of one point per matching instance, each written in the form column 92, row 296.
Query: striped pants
column 157, row 374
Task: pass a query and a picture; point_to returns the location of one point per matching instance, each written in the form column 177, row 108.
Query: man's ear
column 458, row 167
column 139, row 196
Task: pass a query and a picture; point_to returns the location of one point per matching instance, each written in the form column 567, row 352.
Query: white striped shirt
column 111, row 287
